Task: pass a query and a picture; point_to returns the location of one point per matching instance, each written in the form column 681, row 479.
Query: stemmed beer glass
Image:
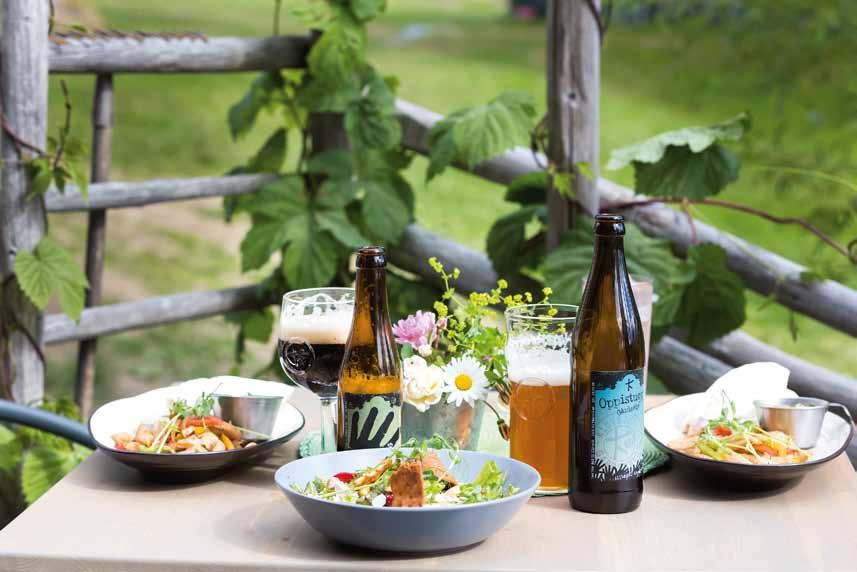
column 314, row 327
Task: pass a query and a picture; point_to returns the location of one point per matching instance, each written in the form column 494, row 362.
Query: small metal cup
column 800, row 417
column 257, row 414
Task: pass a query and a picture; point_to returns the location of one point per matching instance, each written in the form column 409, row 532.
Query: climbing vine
column 327, row 201
column 48, row 269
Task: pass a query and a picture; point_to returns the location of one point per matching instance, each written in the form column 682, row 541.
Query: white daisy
column 464, row 380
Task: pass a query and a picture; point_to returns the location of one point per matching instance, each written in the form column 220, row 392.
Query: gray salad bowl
column 425, row 529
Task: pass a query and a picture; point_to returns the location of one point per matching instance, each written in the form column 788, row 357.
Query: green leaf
column 384, row 211
column 336, row 222
column 336, row 56
column 387, row 199
column 314, row 14
column 79, row 179
column 43, row 467
column 263, row 239
column 270, row 157
column 442, row 153
column 585, row 169
column 483, row 132
column 312, row 256
column 506, row 238
column 696, row 139
column 281, row 199
column 256, row 325
column 41, row 174
column 243, row 114
column 10, row 452
column 274, row 210
column 317, row 96
column 336, row 193
column 563, row 182
column 335, row 163
column 60, row 175
column 51, row 270
column 367, row 9
column 665, row 311
column 31, row 437
column 689, row 162
column 653, row 258
column 681, row 173
column 714, row 303
column 371, row 121
column 567, row 265
column 528, row 189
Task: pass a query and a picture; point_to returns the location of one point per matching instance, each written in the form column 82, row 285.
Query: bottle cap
column 371, row 257
column 609, row 225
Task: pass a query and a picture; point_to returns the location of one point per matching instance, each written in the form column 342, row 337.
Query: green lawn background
column 447, row 54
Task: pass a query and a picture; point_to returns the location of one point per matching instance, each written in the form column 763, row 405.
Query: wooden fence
column 28, row 56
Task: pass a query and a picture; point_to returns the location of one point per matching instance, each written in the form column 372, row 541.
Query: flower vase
column 462, row 423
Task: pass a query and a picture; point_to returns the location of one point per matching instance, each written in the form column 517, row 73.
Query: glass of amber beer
column 538, row 351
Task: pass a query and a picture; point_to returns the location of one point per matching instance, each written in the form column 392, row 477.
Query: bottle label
column 371, row 420
column 618, row 399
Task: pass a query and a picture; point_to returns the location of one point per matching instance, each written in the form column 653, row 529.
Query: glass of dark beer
column 314, row 326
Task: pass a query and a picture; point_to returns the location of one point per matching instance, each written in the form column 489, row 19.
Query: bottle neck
column 609, row 258
column 370, row 305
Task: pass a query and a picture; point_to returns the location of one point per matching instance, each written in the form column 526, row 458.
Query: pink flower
column 418, row 329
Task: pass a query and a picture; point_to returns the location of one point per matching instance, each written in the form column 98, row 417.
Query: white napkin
column 742, row 385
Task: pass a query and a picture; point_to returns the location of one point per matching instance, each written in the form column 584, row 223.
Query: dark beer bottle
column 370, row 387
column 608, row 389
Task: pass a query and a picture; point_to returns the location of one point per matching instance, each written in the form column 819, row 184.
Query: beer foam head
column 331, row 328
column 317, row 320
column 537, row 359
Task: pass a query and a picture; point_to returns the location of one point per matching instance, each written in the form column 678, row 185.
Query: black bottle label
column 371, row 420
column 618, row 399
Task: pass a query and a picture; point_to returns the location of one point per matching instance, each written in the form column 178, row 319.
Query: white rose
column 422, row 384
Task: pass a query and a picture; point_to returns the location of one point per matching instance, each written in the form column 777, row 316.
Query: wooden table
column 104, row 517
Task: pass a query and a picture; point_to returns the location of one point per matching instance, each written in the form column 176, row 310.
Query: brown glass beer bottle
column 608, row 388
column 370, row 386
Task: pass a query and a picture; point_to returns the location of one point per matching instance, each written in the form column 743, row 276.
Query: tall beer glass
column 538, row 351
column 314, row 326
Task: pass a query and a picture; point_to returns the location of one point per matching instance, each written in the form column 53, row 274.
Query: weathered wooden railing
column 682, row 367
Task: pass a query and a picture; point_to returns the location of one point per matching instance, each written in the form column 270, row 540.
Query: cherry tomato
column 721, row 431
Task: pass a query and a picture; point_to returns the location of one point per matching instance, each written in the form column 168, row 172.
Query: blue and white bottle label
column 618, row 399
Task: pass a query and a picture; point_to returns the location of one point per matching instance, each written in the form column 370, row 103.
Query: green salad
column 412, row 476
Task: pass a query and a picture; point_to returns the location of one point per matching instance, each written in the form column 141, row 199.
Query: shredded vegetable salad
column 734, row 440
column 412, row 476
column 186, row 429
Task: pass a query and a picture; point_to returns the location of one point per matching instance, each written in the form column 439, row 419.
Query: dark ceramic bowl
column 126, row 414
column 665, row 424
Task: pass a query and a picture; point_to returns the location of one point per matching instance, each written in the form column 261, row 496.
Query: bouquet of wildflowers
column 456, row 353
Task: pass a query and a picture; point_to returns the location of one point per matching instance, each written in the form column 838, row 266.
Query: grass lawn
column 447, row 54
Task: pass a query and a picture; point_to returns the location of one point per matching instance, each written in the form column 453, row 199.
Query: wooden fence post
column 24, row 92
column 102, row 135
column 573, row 78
